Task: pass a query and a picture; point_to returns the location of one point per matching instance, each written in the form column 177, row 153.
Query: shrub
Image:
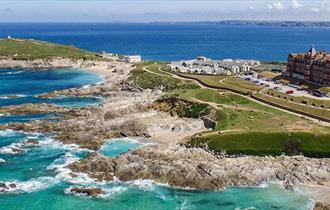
column 293, row 146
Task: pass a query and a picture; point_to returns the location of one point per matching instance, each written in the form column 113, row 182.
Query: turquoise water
column 19, row 87
column 43, row 182
column 116, row 147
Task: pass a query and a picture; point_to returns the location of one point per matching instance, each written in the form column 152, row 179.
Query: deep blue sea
column 178, row 41
column 39, row 171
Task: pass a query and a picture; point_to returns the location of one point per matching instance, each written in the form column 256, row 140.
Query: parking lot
column 279, row 86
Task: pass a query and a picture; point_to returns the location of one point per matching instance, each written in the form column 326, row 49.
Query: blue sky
column 161, row 10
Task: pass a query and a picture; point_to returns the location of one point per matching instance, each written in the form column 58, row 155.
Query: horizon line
column 177, row 21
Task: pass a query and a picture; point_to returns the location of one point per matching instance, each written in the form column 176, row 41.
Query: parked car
column 289, row 92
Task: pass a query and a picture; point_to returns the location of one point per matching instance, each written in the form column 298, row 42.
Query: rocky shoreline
column 129, row 111
column 196, row 168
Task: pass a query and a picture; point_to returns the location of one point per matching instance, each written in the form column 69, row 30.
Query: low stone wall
column 290, row 109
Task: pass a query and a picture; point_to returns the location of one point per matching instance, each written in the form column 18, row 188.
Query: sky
column 162, row 10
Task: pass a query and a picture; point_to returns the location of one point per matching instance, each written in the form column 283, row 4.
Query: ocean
column 43, row 182
column 39, row 172
column 167, row 42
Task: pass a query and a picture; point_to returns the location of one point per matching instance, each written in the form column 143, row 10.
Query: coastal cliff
column 8, row 63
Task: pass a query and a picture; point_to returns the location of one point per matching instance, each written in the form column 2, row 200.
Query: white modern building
column 133, row 58
column 203, row 65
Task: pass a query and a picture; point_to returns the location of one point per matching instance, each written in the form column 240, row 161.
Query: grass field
column 233, row 84
column 324, row 113
column 325, row 89
column 244, row 85
column 30, row 49
column 261, row 143
column 157, row 80
column 156, row 69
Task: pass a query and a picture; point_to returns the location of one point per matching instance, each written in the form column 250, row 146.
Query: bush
column 293, row 147
column 196, row 110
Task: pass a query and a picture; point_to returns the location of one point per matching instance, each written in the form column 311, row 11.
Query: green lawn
column 212, row 96
column 147, row 80
column 244, row 85
column 263, row 143
column 23, row 49
column 214, row 81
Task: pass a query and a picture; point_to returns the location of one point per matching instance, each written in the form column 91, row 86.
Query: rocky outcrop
column 97, row 166
column 40, row 63
column 321, row 206
column 196, row 168
column 44, row 108
column 7, row 186
column 93, row 192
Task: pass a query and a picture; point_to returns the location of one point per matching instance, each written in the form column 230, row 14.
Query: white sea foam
column 11, row 72
column 7, row 133
column 248, row 208
column 12, row 96
column 184, row 205
column 142, row 184
column 12, row 149
column 22, row 145
column 53, row 144
column 2, row 160
column 29, row 186
column 65, row 174
column 102, row 82
column 85, row 86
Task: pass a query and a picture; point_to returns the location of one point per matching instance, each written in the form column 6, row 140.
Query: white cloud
column 251, row 7
column 296, row 4
column 315, row 9
column 276, row 5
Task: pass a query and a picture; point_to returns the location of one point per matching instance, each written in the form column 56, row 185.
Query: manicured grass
column 244, row 85
column 211, row 96
column 22, row 49
column 214, row 81
column 324, row 113
column 325, row 89
column 147, row 80
column 268, row 74
column 263, row 143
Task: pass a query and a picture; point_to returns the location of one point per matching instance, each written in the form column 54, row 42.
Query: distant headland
column 259, row 23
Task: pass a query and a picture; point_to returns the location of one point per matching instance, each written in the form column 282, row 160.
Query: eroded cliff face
column 41, row 64
column 196, row 168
